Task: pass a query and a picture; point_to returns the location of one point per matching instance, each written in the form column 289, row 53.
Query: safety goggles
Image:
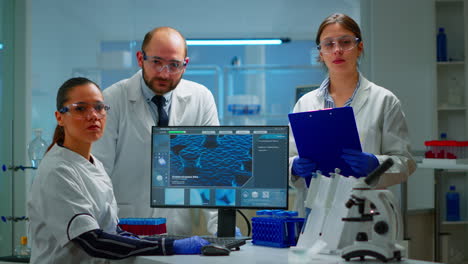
column 158, row 64
column 84, row 110
column 343, row 43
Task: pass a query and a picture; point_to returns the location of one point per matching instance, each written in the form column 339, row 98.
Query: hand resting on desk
column 191, row 245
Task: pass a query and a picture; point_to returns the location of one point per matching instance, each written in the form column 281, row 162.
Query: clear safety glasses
column 158, row 64
column 84, row 110
column 343, row 43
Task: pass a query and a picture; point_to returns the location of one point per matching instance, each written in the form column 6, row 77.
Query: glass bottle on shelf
column 37, row 148
column 454, row 92
column 23, row 250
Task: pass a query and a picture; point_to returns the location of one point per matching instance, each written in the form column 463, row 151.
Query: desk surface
column 254, row 254
column 444, row 164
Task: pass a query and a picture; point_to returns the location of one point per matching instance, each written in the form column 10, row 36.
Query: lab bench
column 250, row 253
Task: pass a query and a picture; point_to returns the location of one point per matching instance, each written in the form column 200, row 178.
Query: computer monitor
column 223, row 167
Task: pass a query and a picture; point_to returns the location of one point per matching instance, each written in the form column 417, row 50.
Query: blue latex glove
column 362, row 163
column 238, row 232
column 191, row 245
column 303, row 168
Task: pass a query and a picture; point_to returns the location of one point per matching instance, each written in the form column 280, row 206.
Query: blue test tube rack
column 276, row 228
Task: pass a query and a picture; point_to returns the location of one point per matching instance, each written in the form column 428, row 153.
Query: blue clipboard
column 322, row 135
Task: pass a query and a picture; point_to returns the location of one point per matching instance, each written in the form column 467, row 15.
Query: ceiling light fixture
column 227, row 42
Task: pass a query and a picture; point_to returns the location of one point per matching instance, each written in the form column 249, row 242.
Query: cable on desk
column 249, row 228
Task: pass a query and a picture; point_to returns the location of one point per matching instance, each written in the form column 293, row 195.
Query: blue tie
column 160, row 102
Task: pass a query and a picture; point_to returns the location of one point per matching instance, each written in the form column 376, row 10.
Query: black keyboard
column 228, row 242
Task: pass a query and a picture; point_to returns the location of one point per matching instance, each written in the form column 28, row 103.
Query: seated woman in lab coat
column 72, row 208
column 379, row 116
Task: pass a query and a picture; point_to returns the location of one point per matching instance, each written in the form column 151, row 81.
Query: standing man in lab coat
column 155, row 96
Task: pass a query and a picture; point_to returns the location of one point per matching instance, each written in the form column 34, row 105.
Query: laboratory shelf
column 455, row 223
column 451, row 108
column 443, row 164
column 450, row 63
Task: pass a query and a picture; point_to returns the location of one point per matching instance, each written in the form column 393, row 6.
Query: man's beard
column 171, row 84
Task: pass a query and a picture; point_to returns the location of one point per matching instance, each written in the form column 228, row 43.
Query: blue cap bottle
column 452, row 199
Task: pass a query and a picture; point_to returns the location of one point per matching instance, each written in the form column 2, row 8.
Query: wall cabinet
column 451, row 74
column 452, row 119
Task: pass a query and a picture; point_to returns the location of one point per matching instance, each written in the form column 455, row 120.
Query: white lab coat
column 125, row 148
column 70, row 196
column 382, row 131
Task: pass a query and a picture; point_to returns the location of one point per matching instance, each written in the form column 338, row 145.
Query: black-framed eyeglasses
column 83, row 110
column 344, row 43
column 158, row 64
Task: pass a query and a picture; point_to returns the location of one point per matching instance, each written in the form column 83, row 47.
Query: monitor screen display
column 220, row 167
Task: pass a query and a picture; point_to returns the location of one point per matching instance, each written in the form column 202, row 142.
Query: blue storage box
column 276, row 228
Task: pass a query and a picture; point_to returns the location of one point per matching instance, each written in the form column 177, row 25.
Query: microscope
column 377, row 219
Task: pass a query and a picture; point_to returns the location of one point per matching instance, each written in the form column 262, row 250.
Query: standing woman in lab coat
column 379, row 116
column 72, row 210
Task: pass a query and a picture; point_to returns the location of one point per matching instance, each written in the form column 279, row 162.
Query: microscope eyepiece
column 374, row 176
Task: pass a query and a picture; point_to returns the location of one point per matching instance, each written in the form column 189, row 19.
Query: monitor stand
column 226, row 222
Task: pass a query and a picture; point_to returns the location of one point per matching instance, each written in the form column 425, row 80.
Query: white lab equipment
column 325, row 201
column 367, row 224
column 379, row 229
column 244, row 106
